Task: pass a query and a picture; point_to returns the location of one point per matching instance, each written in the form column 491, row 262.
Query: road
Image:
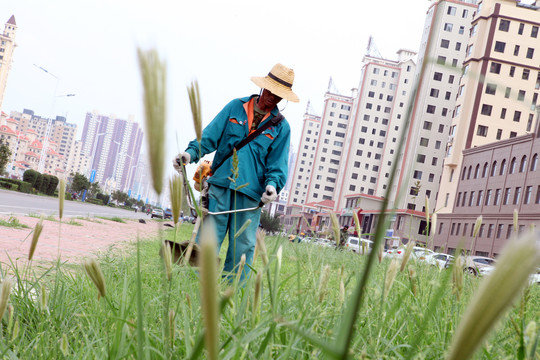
column 12, row 202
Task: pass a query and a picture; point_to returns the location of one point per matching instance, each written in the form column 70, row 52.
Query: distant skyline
column 91, row 48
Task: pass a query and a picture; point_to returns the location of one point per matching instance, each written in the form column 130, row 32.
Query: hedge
column 9, row 186
column 95, row 201
column 23, row 186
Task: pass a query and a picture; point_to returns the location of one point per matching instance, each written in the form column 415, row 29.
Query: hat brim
column 280, row 90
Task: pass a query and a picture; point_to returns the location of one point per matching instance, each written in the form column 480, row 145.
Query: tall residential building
column 114, row 148
column 499, row 88
column 60, row 131
column 440, row 58
column 78, row 162
column 7, row 46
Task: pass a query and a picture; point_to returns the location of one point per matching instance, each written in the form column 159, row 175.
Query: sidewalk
column 76, row 242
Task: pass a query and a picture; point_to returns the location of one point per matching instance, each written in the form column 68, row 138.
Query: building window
column 445, row 43
column 517, row 115
column 495, row 68
column 497, row 198
column 451, row 10
column 534, row 31
column 431, row 108
column 516, row 50
column 530, row 53
column 491, row 89
column 427, row 125
column 503, row 113
column 486, row 109
column 441, row 60
column 448, row 27
column 500, row 229
column 503, row 167
column 512, row 168
column 437, row 76
column 421, row 158
column 528, row 194
column 506, row 199
column 504, row 25
column 434, row 93
column 499, row 46
column 523, row 164
column 534, row 162
column 521, row 95
column 482, row 130
column 488, row 197
column 517, row 195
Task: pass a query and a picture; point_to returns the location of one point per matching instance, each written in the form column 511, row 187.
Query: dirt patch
column 81, row 238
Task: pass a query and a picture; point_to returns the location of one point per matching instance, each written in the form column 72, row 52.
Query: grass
column 107, row 327
column 112, row 218
column 13, row 222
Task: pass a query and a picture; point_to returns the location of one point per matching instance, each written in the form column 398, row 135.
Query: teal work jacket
column 262, row 162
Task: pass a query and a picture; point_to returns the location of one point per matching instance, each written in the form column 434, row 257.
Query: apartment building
column 113, row 146
column 499, row 88
column 57, row 130
column 77, row 162
column 494, row 180
column 7, row 47
column 441, row 55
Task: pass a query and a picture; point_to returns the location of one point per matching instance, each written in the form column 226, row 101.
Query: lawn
column 58, row 314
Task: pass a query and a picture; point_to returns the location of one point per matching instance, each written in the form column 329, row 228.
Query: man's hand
column 183, row 158
column 269, row 195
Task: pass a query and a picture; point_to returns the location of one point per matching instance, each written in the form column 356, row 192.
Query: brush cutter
column 188, row 251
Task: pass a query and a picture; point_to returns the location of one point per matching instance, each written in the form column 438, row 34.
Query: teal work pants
column 223, row 199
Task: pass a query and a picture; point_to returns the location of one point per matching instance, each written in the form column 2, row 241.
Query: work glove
column 269, row 195
column 183, row 158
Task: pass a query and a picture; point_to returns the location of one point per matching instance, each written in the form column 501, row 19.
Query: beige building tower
column 498, row 91
column 7, row 45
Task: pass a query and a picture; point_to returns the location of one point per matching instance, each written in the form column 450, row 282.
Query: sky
column 90, row 48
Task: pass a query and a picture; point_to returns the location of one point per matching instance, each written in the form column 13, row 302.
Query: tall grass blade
column 195, row 102
column 35, row 238
column 176, row 195
column 154, row 78
column 517, row 261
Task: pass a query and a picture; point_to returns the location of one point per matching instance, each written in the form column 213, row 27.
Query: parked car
column 168, row 214
column 359, row 245
column 418, row 253
column 478, row 265
column 440, row 260
column 157, row 213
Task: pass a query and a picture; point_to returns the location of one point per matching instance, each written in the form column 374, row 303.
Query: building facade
column 7, row 47
column 113, row 146
column 499, row 88
column 494, row 181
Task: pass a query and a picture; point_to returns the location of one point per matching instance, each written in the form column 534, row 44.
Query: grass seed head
column 172, row 327
column 243, row 228
column 176, row 195
column 257, row 295
column 209, row 289
column 4, row 296
column 64, row 345
column 412, row 279
column 477, row 225
column 390, row 276
column 335, row 227
column 167, row 259
column 260, row 235
column 93, row 270
column 496, row 292
column 457, row 277
column 154, row 78
column 195, row 102
column 433, row 225
column 323, row 282
column 15, row 332
column 357, row 223
column 407, row 254
column 61, row 196
column 35, row 238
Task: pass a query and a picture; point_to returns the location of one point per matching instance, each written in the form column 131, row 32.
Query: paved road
column 12, row 202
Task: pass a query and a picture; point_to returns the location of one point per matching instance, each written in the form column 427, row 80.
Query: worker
column 344, row 236
column 262, row 163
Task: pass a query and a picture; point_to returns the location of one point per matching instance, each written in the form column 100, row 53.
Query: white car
column 359, row 245
column 157, row 213
column 440, row 260
column 418, row 252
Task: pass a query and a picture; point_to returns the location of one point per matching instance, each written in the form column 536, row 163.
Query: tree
column 269, row 223
column 79, row 182
column 94, row 189
column 5, row 155
column 119, row 196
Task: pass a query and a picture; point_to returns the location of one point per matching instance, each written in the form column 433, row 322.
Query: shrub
column 8, row 185
column 44, row 183
column 53, row 183
column 30, row 176
column 103, row 197
column 25, row 187
column 37, row 183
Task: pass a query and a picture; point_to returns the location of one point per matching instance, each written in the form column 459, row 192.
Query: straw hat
column 279, row 81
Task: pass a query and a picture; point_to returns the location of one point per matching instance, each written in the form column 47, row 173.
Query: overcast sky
column 91, row 47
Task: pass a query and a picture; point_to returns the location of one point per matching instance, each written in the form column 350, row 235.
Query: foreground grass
column 13, row 222
column 57, row 314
